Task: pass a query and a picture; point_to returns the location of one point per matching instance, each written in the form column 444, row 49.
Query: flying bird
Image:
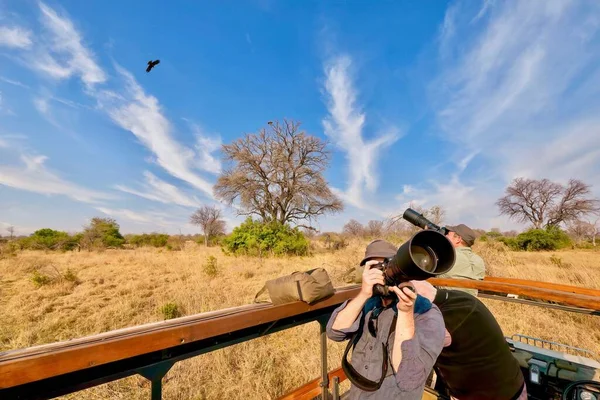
column 152, row 64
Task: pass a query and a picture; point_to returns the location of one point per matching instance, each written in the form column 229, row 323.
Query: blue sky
column 424, row 102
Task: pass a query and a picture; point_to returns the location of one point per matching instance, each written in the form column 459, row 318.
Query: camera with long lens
column 426, row 254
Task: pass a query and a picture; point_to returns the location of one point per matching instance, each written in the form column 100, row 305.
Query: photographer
column 478, row 364
column 405, row 332
column 468, row 265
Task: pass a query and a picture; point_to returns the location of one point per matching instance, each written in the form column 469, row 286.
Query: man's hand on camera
column 425, row 289
column 406, row 298
column 370, row 277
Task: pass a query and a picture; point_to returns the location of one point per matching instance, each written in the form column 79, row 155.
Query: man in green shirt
column 468, row 265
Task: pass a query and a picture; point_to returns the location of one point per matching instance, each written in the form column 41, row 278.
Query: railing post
column 324, row 373
column 335, row 390
column 155, row 373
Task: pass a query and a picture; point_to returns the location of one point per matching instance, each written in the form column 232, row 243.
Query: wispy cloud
column 13, row 82
column 15, row 37
column 206, row 145
column 141, row 115
column 522, row 95
column 64, row 43
column 133, row 216
column 344, row 126
column 158, row 190
column 34, row 176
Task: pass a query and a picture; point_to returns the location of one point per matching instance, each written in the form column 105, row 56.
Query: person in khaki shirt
column 468, row 265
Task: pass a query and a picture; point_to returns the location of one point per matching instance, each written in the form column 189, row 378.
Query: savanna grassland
column 47, row 297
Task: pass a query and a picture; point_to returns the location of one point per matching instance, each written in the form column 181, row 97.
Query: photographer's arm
column 347, row 316
column 417, row 343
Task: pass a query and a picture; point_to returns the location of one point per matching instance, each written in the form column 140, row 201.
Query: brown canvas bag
column 308, row 286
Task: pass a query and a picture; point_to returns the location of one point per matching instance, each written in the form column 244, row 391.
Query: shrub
column 259, row 239
column 210, row 266
column 49, row 239
column 551, row 238
column 170, row 310
column 40, row 279
column 102, row 233
column 70, row 276
column 148, row 239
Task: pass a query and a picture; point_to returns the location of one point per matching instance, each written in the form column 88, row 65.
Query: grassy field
column 100, row 291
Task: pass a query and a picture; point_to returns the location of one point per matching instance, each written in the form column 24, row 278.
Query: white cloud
column 141, row 115
column 131, row 215
column 522, row 96
column 13, row 82
column 158, row 190
column 65, row 44
column 35, row 177
column 344, row 126
column 15, row 37
column 205, row 147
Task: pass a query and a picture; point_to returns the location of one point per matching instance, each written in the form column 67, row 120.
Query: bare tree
column 580, row 230
column 546, row 203
column 374, row 228
column 278, row 175
column 436, row 214
column 11, row 230
column 209, row 220
column 595, row 227
column 354, row 228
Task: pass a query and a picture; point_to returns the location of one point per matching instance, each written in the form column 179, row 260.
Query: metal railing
column 151, row 350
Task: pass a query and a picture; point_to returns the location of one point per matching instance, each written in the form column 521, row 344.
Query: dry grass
column 120, row 288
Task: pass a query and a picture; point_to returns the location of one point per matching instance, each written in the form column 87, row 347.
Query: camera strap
column 354, row 376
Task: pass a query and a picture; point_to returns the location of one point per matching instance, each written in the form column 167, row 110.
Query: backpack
column 308, row 286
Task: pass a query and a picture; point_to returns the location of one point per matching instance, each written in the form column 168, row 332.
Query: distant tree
column 49, row 239
column 11, row 230
column 101, row 233
column 374, row 228
column 278, row 175
column 208, row 218
column 595, row 223
column 436, row 214
column 546, row 203
column 580, row 230
column 510, row 234
column 353, row 228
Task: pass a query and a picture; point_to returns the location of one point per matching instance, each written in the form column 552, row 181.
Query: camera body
column 426, row 254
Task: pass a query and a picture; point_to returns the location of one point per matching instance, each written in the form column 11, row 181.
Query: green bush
column 49, row 239
column 70, row 276
column 148, row 239
column 40, row 279
column 210, row 266
column 102, row 233
column 551, row 238
column 260, row 239
column 170, row 310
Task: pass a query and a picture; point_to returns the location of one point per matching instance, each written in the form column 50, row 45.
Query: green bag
column 308, row 287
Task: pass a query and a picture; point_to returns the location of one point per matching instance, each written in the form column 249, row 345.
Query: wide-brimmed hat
column 379, row 248
column 467, row 234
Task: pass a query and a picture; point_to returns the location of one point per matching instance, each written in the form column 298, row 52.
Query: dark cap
column 467, row 234
column 379, row 248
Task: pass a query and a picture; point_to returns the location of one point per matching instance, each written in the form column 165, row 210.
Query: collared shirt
column 418, row 353
column 468, row 265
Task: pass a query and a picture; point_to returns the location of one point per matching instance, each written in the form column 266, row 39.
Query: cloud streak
column 344, row 126
column 518, row 94
column 34, row 176
column 15, row 37
column 156, row 189
column 64, row 43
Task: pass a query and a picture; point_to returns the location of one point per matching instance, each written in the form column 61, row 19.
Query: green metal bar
column 155, row 373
